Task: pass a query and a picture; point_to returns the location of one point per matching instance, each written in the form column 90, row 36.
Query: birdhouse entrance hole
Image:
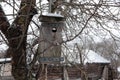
column 54, row 29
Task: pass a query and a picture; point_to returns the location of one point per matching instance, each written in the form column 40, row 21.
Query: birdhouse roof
column 51, row 17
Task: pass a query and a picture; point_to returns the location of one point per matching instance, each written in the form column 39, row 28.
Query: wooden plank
column 6, row 78
column 47, row 60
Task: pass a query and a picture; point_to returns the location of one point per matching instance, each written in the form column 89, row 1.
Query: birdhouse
column 50, row 37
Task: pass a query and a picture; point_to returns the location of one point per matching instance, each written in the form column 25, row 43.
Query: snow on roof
column 89, row 56
column 93, row 57
column 118, row 69
column 5, row 60
column 53, row 15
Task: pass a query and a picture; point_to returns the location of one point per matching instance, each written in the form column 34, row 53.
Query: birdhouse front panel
column 50, row 39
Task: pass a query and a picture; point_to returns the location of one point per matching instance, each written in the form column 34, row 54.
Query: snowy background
column 95, row 36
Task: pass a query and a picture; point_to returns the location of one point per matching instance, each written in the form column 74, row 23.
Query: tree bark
column 4, row 24
column 16, row 35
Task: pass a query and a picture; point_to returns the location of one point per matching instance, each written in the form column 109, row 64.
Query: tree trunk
column 105, row 73
column 4, row 24
column 17, row 35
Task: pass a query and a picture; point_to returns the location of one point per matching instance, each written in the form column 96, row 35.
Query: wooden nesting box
column 50, row 37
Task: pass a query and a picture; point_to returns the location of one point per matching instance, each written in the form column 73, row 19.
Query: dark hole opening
column 54, row 29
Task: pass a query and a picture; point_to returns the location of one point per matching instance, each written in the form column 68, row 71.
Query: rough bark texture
column 4, row 24
column 17, row 35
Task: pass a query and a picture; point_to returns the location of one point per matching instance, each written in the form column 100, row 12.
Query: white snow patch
column 118, row 69
column 3, row 47
column 93, row 57
column 88, row 56
column 5, row 59
column 53, row 15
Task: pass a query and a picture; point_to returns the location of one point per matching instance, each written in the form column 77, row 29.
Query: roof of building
column 88, row 56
